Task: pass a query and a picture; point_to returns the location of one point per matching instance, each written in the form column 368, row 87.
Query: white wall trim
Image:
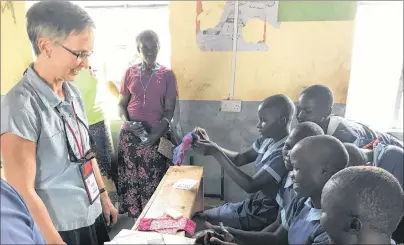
column 234, row 52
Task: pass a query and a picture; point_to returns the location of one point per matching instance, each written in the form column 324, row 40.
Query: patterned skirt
column 140, row 170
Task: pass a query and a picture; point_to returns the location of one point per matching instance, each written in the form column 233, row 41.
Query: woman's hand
column 205, row 147
column 109, row 211
column 203, row 135
column 151, row 139
column 137, row 129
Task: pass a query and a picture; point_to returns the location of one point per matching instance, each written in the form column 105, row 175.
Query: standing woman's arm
column 124, row 97
column 170, row 99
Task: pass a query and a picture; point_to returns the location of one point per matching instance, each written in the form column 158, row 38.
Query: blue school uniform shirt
column 261, row 206
column 270, row 157
column 389, row 158
column 302, row 221
column 353, row 132
column 285, row 193
column 17, row 224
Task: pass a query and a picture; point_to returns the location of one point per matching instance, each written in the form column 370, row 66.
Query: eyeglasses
column 81, row 56
column 90, row 154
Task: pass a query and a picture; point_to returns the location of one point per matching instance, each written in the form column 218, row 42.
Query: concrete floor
column 124, row 222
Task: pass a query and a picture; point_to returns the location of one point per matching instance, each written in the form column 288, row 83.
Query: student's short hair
column 377, row 194
column 147, row 35
column 306, row 129
column 356, row 157
column 283, row 102
column 329, row 148
column 322, row 94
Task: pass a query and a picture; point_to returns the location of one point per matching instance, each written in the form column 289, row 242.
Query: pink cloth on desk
column 167, row 225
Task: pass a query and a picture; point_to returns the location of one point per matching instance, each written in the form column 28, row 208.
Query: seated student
column 375, row 206
column 387, row 157
column 390, row 158
column 286, row 192
column 299, row 132
column 260, row 209
column 17, row 224
column 314, row 159
column 315, row 105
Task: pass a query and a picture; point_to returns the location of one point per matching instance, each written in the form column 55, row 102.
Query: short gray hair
column 56, row 20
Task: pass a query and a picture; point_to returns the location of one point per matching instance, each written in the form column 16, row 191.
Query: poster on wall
column 220, row 36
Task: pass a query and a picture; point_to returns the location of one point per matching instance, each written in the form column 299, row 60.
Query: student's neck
column 324, row 124
column 316, row 201
column 45, row 73
column 282, row 133
column 373, row 238
column 148, row 66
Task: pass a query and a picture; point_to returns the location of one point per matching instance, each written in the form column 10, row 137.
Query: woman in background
column 148, row 95
column 99, row 128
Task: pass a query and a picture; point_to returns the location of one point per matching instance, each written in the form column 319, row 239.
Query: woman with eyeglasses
column 45, row 144
column 146, row 104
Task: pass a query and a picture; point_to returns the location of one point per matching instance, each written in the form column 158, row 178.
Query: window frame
column 398, row 107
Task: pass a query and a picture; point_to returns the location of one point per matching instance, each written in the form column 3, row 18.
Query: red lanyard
column 81, row 150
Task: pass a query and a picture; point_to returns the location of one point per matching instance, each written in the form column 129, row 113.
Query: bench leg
column 199, row 204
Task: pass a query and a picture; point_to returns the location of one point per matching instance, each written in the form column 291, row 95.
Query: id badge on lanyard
column 89, row 181
column 86, row 169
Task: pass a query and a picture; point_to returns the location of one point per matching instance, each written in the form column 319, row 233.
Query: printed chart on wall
column 220, row 36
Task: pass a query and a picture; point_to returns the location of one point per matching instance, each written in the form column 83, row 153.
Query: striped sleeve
column 275, row 165
column 257, row 145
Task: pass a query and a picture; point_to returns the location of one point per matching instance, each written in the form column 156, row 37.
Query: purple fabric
column 179, row 151
column 163, row 85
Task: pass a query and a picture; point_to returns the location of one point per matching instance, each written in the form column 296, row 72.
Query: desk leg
column 199, row 204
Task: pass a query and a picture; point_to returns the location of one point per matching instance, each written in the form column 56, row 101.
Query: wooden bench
column 187, row 202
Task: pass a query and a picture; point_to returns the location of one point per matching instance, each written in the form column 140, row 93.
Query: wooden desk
column 186, row 201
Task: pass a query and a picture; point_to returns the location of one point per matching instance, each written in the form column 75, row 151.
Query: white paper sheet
column 140, row 237
column 185, row 184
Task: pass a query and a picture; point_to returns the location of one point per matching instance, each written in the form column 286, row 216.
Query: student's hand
column 203, row 135
column 205, row 147
column 225, row 231
column 151, row 140
column 216, row 241
column 109, row 211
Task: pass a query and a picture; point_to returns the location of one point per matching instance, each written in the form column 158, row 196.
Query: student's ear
column 283, row 120
column 355, row 225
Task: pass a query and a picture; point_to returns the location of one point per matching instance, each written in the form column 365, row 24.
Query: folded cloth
column 167, row 225
column 371, row 145
column 179, row 151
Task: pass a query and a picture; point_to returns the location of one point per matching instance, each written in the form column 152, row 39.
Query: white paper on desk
column 140, row 237
column 185, row 184
column 128, row 237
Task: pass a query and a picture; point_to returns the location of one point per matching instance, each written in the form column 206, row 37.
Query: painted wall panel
column 16, row 52
column 301, row 52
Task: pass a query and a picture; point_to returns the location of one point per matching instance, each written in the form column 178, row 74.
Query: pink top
column 147, row 102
